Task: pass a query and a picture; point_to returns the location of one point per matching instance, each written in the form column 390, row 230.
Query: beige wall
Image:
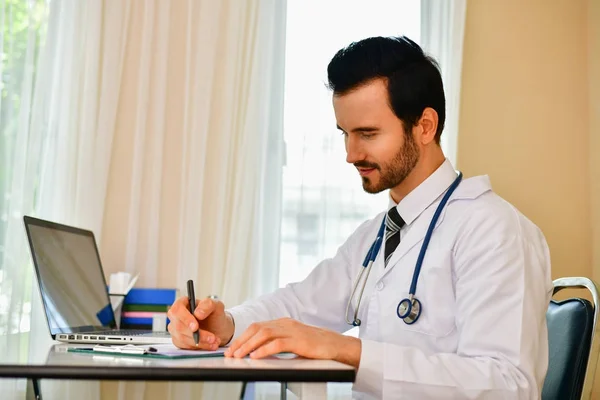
column 525, row 120
column 594, row 99
column 594, row 149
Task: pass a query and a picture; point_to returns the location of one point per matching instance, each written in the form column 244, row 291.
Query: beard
column 395, row 172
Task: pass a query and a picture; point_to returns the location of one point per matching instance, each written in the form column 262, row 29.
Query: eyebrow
column 361, row 129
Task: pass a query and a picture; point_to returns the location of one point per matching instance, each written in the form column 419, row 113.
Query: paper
column 131, row 283
column 159, row 322
column 121, row 282
column 116, row 302
column 172, row 350
column 127, row 349
column 160, row 350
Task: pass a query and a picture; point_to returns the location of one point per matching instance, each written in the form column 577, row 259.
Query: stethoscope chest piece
column 409, row 310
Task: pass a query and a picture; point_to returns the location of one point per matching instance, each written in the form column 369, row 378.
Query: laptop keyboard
column 133, row 332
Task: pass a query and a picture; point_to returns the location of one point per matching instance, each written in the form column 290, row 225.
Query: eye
column 367, row 135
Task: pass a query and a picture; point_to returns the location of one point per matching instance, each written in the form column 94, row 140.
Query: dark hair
column 413, row 78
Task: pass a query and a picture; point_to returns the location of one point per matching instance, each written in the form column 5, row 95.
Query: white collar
column 421, row 197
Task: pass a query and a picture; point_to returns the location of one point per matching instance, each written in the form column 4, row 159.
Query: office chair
column 573, row 343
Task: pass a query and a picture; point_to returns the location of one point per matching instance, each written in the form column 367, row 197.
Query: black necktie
column 393, row 224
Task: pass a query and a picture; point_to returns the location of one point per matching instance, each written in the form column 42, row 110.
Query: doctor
column 449, row 287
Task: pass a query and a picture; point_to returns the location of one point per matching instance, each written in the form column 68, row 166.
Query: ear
column 428, row 124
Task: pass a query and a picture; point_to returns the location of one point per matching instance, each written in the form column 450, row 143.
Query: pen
column 192, row 298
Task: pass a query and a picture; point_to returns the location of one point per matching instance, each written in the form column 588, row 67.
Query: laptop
column 73, row 287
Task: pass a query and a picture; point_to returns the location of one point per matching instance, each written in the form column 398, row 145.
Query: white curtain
column 157, row 125
column 56, row 149
column 78, row 91
column 197, row 138
column 195, row 178
column 442, row 33
column 22, row 33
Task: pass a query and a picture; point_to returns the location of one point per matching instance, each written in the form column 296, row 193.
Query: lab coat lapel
column 469, row 189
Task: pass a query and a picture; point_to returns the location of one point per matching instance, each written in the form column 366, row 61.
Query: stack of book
column 142, row 305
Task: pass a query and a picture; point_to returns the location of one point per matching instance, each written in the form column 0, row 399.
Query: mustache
column 366, row 164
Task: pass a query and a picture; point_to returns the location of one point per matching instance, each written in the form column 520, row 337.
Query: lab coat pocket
column 435, row 290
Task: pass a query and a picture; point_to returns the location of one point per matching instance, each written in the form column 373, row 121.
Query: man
column 484, row 283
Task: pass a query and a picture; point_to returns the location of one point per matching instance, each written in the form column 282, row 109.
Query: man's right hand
column 216, row 326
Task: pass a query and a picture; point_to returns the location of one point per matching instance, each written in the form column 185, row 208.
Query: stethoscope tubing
column 374, row 251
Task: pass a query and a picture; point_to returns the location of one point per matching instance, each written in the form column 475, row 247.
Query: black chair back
column 573, row 350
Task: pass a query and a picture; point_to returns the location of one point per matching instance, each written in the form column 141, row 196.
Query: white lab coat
column 485, row 285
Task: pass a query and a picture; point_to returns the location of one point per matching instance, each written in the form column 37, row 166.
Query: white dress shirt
column 485, row 285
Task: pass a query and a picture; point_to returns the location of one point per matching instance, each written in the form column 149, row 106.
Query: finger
column 264, row 335
column 176, row 308
column 183, row 338
column 248, row 333
column 180, row 312
column 275, row 346
column 207, row 339
column 182, row 341
column 184, row 302
column 205, row 307
column 205, row 336
column 178, row 338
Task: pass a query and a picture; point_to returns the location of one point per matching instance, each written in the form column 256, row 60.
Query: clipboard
column 162, row 351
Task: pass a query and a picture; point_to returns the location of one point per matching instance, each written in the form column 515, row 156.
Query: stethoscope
column 409, row 309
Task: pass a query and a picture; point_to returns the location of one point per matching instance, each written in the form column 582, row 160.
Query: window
column 323, row 199
column 22, row 32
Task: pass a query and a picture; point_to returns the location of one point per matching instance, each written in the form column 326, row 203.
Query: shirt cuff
column 369, row 378
column 240, row 323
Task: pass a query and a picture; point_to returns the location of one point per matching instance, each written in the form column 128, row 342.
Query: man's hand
column 287, row 335
column 216, row 326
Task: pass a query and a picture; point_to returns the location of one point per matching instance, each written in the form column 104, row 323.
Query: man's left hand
column 264, row 339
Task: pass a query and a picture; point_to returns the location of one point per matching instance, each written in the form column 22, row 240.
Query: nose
column 354, row 151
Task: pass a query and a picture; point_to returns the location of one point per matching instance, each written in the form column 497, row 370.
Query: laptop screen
column 70, row 277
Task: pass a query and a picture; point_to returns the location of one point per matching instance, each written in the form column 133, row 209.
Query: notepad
column 153, row 351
